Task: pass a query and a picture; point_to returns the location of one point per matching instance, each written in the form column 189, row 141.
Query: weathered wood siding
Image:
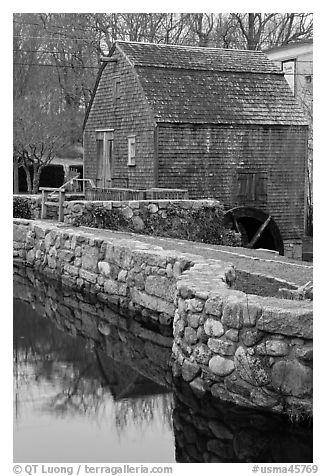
column 206, row 160
column 130, row 114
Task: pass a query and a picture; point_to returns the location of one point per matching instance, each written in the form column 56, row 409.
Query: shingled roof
column 212, row 85
column 186, row 84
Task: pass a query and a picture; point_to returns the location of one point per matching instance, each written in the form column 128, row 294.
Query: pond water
column 84, row 395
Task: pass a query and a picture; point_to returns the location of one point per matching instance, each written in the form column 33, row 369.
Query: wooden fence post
column 61, row 200
column 43, row 207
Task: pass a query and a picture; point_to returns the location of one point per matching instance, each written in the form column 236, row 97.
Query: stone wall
column 33, row 202
column 195, row 220
column 125, row 340
column 133, row 275
column 205, row 429
column 244, row 348
column 293, row 249
column 254, row 351
column 172, row 218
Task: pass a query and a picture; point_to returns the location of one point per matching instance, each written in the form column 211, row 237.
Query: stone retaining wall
column 133, row 275
column 247, row 349
column 195, row 220
column 135, row 212
column 124, row 340
column 252, row 350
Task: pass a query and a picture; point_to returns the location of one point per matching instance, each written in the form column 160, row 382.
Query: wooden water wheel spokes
column 257, row 228
column 259, row 232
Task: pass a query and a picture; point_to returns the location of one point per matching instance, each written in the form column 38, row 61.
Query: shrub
column 204, row 224
column 21, row 208
column 100, row 217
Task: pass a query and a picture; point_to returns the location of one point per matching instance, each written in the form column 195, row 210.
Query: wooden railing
column 47, row 194
column 94, row 193
column 114, row 194
column 63, row 186
column 166, row 194
column 82, row 185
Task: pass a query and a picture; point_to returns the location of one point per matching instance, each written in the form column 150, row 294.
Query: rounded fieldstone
column 190, row 370
column 252, row 369
column 190, row 335
column 197, row 385
column 76, row 208
column 213, row 328
column 152, row 208
column 222, row 347
column 193, row 320
column 202, row 354
column 137, row 223
column 304, row 353
column 195, row 305
column 220, row 365
column 262, row 398
column 127, row 212
column 292, row 378
column 232, row 313
column 273, row 347
column 251, row 337
column 232, row 334
column 104, row 268
column 122, row 276
column 214, row 306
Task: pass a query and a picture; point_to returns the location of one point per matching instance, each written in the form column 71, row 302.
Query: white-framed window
column 289, row 69
column 131, row 150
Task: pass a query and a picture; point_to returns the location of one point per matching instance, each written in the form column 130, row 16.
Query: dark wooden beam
column 155, row 168
column 258, row 233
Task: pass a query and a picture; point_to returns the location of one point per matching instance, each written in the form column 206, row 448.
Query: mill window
column 132, row 150
column 252, row 187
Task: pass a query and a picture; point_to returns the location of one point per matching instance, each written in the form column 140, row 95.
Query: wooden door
column 104, row 153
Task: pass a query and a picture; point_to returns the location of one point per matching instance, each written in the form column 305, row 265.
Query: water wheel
column 257, row 228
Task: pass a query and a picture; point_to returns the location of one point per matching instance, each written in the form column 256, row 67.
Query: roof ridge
column 202, row 48
column 203, row 68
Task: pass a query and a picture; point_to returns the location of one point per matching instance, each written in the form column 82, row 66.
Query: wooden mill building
column 221, row 123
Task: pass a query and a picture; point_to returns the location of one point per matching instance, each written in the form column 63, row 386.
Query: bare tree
column 261, row 30
column 202, row 25
column 39, row 134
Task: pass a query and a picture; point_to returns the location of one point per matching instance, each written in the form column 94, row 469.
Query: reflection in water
column 93, row 386
column 209, row 430
column 73, row 403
